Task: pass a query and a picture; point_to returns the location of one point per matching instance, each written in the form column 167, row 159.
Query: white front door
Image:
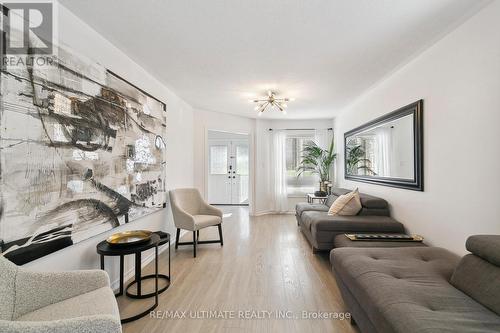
column 219, row 173
column 239, row 159
column 228, row 172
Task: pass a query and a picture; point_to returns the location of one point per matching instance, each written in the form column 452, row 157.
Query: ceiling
column 218, row 54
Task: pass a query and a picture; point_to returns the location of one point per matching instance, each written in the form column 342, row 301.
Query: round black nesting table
column 157, row 239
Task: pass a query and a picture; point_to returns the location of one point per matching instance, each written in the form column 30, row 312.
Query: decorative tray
column 385, row 237
column 128, row 238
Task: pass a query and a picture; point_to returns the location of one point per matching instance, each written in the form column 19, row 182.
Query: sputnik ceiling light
column 271, row 101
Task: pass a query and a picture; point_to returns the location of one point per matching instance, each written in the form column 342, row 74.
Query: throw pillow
column 348, row 204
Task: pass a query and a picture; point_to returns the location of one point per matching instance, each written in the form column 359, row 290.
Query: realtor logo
column 27, row 28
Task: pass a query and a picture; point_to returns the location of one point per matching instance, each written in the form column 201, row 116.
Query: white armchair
column 192, row 213
column 39, row 302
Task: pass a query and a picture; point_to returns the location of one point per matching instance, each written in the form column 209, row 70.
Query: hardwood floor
column 266, row 264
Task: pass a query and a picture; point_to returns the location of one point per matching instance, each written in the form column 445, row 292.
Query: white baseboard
column 270, row 212
column 267, row 212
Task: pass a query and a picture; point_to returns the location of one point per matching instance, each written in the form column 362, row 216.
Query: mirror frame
column 417, row 184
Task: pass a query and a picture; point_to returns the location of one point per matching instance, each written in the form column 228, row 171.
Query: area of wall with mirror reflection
column 384, row 150
column 388, row 150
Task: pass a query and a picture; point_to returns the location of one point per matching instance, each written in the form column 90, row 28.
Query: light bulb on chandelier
column 271, row 101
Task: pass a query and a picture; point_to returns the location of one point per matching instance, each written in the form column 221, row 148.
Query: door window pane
column 218, row 160
column 242, row 160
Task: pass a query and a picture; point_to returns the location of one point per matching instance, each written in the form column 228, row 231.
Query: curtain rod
column 301, row 129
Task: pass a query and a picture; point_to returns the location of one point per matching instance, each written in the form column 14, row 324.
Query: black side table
column 311, row 197
column 164, row 239
column 104, row 249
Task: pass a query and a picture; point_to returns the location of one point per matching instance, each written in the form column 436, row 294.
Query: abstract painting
column 82, row 152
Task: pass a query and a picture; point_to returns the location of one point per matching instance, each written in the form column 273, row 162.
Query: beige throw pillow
column 348, row 204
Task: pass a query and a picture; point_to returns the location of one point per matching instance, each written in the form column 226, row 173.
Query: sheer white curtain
column 384, row 147
column 278, row 173
column 323, row 138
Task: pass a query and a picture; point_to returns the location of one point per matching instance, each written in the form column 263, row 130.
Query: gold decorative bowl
column 128, row 238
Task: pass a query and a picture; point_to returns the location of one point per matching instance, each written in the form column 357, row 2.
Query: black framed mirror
column 388, row 150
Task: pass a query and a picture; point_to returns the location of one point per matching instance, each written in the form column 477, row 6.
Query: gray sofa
column 422, row 289
column 62, row 302
column 320, row 228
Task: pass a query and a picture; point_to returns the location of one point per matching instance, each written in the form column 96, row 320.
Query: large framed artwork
column 82, row 152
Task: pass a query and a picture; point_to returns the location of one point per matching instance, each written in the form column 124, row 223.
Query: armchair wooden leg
column 198, row 234
column 194, row 244
column 177, row 234
column 220, row 235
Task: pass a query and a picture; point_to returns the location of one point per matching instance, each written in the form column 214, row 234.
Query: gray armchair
column 192, row 213
column 39, row 302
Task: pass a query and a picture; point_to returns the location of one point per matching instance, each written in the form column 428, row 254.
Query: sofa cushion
column 480, row 280
column 331, row 198
column 486, row 247
column 324, row 222
column 367, row 201
column 347, row 204
column 304, row 206
column 374, row 211
column 338, row 191
column 97, row 302
column 407, row 290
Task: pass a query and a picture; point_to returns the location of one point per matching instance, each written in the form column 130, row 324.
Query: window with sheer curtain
column 307, row 182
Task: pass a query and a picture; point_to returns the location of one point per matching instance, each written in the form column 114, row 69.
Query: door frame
column 251, row 163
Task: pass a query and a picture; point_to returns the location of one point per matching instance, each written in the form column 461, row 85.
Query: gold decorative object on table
column 127, row 238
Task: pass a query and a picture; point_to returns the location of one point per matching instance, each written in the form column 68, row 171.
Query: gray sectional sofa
column 320, row 228
column 422, row 289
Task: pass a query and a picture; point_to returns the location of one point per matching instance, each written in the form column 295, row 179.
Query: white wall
column 402, row 148
column 89, row 43
column 459, row 80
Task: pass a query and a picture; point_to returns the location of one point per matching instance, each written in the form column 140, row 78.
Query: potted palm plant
column 317, row 161
column 356, row 160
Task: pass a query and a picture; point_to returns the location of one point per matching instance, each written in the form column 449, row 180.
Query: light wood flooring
column 266, row 264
